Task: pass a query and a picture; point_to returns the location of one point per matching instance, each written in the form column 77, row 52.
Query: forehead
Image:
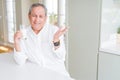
column 38, row 10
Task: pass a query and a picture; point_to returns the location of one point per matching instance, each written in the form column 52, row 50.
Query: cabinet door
column 108, row 67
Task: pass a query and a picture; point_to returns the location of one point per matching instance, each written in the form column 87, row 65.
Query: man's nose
column 37, row 19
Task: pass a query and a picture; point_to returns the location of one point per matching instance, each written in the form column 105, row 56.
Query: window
column 110, row 22
column 11, row 21
column 7, row 21
column 56, row 11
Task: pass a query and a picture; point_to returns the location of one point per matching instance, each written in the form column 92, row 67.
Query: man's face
column 37, row 18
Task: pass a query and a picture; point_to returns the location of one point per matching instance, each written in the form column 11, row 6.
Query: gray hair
column 37, row 5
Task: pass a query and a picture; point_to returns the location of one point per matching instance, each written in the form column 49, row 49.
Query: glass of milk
column 23, row 30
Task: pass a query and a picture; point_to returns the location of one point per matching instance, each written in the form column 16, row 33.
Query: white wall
column 83, row 19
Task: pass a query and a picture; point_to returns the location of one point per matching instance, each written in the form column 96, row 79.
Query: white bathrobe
column 39, row 49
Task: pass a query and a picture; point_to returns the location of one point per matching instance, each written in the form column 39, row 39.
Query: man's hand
column 60, row 32
column 17, row 37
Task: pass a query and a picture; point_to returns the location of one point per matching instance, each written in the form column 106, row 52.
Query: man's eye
column 33, row 16
column 40, row 16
